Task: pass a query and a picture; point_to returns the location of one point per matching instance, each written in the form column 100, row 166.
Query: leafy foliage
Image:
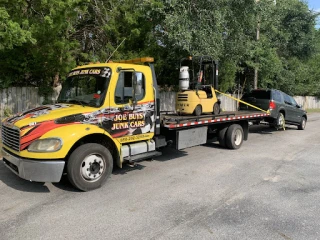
column 41, row 40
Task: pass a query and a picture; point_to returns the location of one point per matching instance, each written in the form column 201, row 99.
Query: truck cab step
column 142, row 156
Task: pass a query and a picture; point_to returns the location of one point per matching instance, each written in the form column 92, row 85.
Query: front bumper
column 34, row 170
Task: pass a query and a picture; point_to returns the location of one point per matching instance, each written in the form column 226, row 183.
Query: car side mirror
column 298, row 106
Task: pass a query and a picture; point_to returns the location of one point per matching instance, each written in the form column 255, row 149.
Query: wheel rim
column 237, row 137
column 92, row 167
column 281, row 120
column 303, row 123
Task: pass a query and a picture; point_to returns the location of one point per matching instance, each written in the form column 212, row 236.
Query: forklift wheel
column 216, row 108
column 198, row 110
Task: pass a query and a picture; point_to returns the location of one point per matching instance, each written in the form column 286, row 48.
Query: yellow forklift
column 198, row 80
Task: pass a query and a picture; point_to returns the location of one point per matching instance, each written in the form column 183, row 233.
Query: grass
column 316, row 110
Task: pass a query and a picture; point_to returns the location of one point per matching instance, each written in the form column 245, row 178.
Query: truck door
column 134, row 107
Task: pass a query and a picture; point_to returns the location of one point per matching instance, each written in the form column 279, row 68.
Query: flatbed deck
column 175, row 121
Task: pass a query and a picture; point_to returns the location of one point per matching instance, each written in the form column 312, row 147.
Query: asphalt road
column 268, row 189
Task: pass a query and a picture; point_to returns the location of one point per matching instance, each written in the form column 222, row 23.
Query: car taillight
column 272, row 105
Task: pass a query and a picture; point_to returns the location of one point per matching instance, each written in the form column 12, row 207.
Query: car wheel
column 302, row 124
column 280, row 121
column 89, row 166
column 198, row 110
column 216, row 108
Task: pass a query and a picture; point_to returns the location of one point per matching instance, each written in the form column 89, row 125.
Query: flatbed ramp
column 175, row 121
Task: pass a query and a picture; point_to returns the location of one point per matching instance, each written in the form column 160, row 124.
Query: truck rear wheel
column 222, row 137
column 89, row 166
column 234, row 136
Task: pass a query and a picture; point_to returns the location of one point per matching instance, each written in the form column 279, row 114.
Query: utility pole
column 255, row 80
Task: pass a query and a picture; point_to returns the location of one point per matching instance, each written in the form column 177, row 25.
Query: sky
column 315, row 5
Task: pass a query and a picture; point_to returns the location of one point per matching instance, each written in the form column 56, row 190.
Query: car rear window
column 258, row 94
column 277, row 96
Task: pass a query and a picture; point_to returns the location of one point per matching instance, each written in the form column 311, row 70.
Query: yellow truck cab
column 108, row 103
column 106, row 114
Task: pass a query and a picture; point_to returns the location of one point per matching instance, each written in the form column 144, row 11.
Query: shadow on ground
column 266, row 129
column 168, row 154
column 15, row 182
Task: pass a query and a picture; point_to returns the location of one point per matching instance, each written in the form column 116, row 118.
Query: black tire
column 234, row 136
column 216, row 108
column 222, row 137
column 302, row 124
column 198, row 110
column 89, row 166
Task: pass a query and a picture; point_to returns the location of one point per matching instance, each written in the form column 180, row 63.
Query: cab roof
column 135, row 61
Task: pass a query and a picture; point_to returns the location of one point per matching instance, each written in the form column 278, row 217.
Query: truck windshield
column 86, row 87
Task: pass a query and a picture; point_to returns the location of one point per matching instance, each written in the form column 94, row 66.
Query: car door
column 289, row 108
column 297, row 113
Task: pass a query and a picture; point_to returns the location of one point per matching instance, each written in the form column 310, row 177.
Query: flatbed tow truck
column 107, row 114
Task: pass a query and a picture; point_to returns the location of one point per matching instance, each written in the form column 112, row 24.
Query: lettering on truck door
column 134, row 116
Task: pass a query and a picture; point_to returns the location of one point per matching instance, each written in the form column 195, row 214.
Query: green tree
column 41, row 40
column 12, row 33
column 286, row 40
column 48, row 53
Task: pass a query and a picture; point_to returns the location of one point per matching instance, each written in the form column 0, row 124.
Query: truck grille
column 11, row 137
column 183, row 97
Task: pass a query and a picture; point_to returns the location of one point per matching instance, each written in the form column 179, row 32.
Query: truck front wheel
column 89, row 166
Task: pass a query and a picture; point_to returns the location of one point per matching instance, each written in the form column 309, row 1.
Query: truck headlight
column 45, row 145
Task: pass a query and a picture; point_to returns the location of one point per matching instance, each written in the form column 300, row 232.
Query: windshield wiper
column 82, row 103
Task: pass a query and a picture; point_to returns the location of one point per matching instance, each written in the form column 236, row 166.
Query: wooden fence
column 16, row 99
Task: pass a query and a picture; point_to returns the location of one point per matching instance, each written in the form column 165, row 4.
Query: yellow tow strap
column 236, row 99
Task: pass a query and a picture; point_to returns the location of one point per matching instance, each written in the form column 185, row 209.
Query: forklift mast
column 201, row 70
